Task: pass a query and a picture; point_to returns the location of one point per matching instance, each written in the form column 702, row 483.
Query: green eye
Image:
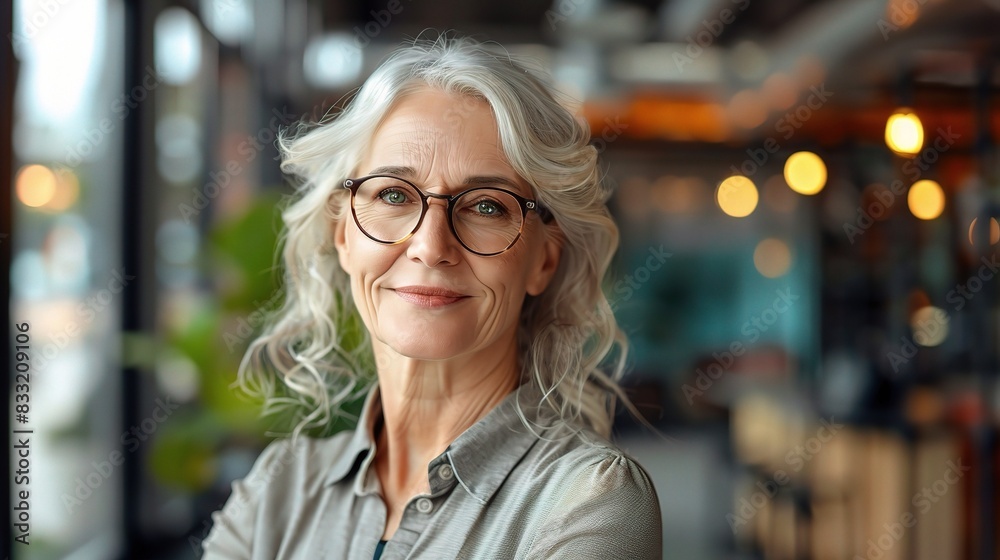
column 393, row 196
column 487, row 208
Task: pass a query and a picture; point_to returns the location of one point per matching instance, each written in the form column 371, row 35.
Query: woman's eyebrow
column 399, row 170
column 473, row 181
column 490, row 180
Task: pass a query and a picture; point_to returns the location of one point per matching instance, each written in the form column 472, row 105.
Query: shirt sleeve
column 232, row 532
column 611, row 510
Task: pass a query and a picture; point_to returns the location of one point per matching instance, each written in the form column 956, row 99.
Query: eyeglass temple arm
column 543, row 212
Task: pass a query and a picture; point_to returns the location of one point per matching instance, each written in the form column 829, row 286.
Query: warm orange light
column 737, row 196
column 902, row 13
column 66, row 193
column 772, row 258
column 926, row 199
column 35, row 185
column 904, row 134
column 805, row 172
column 930, row 325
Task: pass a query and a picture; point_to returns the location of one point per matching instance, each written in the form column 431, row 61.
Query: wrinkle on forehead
column 444, row 144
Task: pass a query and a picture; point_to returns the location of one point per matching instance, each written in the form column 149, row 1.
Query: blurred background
column 808, row 196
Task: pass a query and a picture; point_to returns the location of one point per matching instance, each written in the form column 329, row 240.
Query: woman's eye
column 393, row 196
column 487, row 208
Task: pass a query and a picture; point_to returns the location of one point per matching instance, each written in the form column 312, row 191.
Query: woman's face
column 441, row 143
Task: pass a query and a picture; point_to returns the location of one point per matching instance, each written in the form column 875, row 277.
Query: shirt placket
column 421, row 509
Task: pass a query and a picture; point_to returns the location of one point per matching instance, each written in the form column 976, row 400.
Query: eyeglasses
column 486, row 220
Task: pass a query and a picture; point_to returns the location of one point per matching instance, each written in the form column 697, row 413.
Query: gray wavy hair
column 315, row 355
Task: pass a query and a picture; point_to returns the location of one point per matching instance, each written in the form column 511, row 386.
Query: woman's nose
column 433, row 243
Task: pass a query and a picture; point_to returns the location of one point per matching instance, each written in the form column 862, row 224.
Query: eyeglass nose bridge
column 449, row 202
column 446, row 197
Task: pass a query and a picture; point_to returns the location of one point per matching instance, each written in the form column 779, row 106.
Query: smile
column 429, row 297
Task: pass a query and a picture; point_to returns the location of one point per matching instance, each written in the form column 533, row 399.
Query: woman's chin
column 428, row 346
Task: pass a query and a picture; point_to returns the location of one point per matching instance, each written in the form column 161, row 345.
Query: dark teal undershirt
column 378, row 549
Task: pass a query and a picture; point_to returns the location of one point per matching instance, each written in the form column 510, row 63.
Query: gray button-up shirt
column 498, row 491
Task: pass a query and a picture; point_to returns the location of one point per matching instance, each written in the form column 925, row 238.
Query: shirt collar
column 362, row 439
column 482, row 456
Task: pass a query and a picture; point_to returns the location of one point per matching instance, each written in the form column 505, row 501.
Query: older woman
column 460, row 207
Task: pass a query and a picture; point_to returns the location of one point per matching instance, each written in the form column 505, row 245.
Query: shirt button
column 424, row 505
column 446, row 472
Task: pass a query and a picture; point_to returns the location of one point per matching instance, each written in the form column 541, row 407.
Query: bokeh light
column 332, row 60
column 747, row 109
column 67, row 191
column 926, row 199
column 810, row 70
column 976, row 236
column 902, row 13
column 772, row 258
column 737, row 196
column 678, row 195
column 177, row 45
column 805, row 172
column 930, row 325
column 904, row 134
column 780, row 91
column 35, row 185
column 749, row 60
column 633, row 198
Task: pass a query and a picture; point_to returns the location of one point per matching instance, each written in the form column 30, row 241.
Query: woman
column 460, row 207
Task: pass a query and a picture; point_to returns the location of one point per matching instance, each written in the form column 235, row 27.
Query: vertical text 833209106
column 21, row 453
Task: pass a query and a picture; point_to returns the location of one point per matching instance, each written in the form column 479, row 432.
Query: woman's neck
column 426, row 406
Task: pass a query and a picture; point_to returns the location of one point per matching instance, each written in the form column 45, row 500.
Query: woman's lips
column 427, row 296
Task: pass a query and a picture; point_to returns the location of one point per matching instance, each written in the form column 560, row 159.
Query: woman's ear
column 547, row 263
column 340, row 242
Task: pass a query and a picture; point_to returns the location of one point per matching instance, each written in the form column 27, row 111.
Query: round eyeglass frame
column 526, row 204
